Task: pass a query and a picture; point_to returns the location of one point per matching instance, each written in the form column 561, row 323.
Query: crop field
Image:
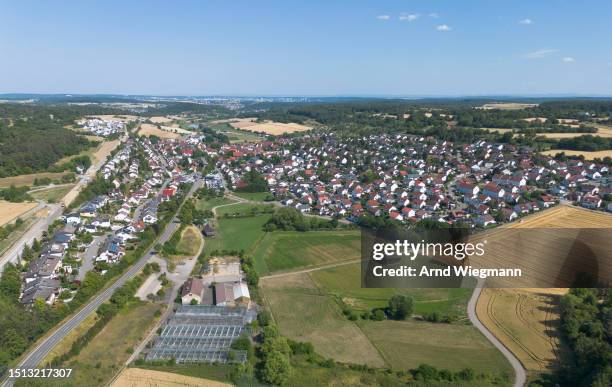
column 526, row 320
column 29, row 179
column 118, row 117
column 268, row 127
column 527, row 323
column 237, row 233
column 587, row 155
column 407, row 344
column 507, row 105
column 160, row 120
column 142, row 377
column 303, row 313
column 11, row 211
column 150, row 129
column 280, row 251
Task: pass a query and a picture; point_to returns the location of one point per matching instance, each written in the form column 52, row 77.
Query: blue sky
column 392, row 48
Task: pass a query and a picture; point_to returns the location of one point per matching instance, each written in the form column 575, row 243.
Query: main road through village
column 33, row 358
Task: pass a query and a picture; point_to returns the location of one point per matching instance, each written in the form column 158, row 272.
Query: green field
column 303, row 313
column 52, row 195
column 345, row 282
column 407, row 344
column 307, row 307
column 280, row 251
column 237, row 234
column 208, row 204
column 253, row 196
column 244, row 209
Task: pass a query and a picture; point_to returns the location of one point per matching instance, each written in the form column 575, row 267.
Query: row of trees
column 290, row 219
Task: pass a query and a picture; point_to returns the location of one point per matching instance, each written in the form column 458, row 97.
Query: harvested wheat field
column 576, row 134
column 11, row 211
column 587, row 155
column 268, row 127
column 119, row 117
column 137, row 377
column 160, row 120
column 507, row 105
column 526, row 320
column 152, row 130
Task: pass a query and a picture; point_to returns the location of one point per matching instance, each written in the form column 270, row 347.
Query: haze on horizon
column 384, row 48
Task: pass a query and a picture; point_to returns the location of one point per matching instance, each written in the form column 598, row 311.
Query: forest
column 34, row 137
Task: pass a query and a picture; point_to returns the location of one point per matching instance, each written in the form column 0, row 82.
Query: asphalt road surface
column 521, row 375
column 36, row 356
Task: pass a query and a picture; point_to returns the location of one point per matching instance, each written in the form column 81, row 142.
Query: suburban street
column 36, row 355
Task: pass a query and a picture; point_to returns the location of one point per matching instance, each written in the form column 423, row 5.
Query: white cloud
column 383, row 17
column 544, row 52
column 409, row 17
column 526, row 22
column 568, row 59
column 443, row 27
column 434, row 15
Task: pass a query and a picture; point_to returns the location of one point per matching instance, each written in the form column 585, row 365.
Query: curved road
column 521, row 375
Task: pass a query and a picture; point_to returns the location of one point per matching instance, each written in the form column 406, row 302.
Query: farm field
column 407, row 344
column 235, row 135
column 599, row 133
column 237, row 234
column 53, row 194
column 150, row 129
column 507, row 105
column 345, row 282
column 160, row 119
column 11, row 211
column 118, row 117
column 526, row 320
column 208, row 204
column 142, row 377
column 268, row 127
column 587, row 155
column 306, row 307
column 527, row 323
column 190, row 241
column 280, row 251
column 29, row 179
column 303, row 313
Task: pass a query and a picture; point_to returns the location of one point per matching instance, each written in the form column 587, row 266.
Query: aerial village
column 410, row 178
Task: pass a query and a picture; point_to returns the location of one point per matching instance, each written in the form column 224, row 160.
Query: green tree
column 276, row 369
column 400, row 307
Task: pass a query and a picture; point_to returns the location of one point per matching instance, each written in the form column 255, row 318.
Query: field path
column 322, row 267
column 521, row 375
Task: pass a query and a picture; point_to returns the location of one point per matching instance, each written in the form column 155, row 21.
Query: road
column 13, row 254
column 519, row 371
column 90, row 254
column 42, row 349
